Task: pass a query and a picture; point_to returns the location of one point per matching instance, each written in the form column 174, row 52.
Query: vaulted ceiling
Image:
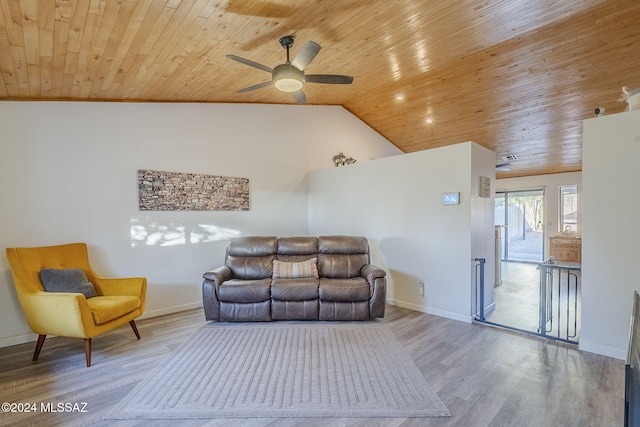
column 516, row 76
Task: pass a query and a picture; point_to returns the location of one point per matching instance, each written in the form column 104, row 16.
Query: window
column 568, row 209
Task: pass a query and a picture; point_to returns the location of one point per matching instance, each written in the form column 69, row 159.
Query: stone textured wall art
column 174, row 191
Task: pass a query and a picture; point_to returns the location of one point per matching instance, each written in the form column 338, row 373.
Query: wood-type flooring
column 485, row 376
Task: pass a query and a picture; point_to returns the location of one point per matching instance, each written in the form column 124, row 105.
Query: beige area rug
column 285, row 370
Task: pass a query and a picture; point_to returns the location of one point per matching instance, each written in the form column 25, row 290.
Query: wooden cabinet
column 566, row 248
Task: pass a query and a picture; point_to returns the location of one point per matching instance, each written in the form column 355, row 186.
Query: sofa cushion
column 341, row 266
column 342, row 257
column 343, row 245
column 297, row 245
column 67, row 280
column 242, row 291
column 346, row 290
column 251, row 257
column 294, row 289
column 292, row 270
column 250, row 246
column 251, row 268
column 106, row 308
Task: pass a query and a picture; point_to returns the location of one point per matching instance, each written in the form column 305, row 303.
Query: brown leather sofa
column 270, row 278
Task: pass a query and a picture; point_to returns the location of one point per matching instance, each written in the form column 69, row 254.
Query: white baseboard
column 488, row 309
column 170, row 310
column 20, row 339
column 603, row 350
column 430, row 310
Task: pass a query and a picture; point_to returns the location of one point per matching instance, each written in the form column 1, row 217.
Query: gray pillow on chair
column 66, row 280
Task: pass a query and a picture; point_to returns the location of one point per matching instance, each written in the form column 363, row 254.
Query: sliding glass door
column 521, row 216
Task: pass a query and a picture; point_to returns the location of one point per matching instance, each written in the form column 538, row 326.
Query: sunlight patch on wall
column 171, row 233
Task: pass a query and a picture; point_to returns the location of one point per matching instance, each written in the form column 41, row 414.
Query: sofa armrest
column 371, row 273
column 376, row 277
column 212, row 281
column 218, row 275
column 57, row 313
column 135, row 286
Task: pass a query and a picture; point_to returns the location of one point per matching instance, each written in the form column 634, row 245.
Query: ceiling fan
column 506, row 166
column 290, row 77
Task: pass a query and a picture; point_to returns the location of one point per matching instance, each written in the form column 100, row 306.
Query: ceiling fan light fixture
column 288, row 85
column 288, row 79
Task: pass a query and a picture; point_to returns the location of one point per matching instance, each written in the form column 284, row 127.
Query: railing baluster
column 550, row 300
column 480, row 266
column 568, row 305
column 542, row 321
column 575, row 306
column 559, row 321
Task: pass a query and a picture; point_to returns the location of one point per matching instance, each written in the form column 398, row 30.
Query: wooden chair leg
column 87, row 351
column 38, row 347
column 135, row 328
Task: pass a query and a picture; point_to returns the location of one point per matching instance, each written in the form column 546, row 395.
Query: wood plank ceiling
column 516, row 76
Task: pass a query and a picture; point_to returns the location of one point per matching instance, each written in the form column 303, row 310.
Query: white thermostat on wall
column 450, row 198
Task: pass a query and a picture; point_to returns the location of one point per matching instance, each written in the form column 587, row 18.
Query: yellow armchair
column 117, row 301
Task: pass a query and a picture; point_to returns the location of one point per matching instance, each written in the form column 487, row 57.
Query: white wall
column 396, row 203
column 68, row 172
column 551, row 184
column 610, row 232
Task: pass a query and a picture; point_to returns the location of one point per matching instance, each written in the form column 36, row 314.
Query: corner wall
column 397, row 203
column 610, row 233
column 68, row 172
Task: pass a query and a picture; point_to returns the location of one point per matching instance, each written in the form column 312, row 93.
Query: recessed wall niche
column 175, row 191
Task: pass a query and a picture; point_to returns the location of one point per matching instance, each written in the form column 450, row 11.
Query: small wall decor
column 484, row 186
column 174, row 191
column 341, row 160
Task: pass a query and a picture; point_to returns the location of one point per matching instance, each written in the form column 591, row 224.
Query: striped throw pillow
column 293, row 270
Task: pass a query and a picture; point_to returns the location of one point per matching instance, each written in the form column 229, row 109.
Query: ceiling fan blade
column 333, row 79
column 300, row 97
column 254, row 87
column 306, row 55
column 251, row 63
column 503, row 167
